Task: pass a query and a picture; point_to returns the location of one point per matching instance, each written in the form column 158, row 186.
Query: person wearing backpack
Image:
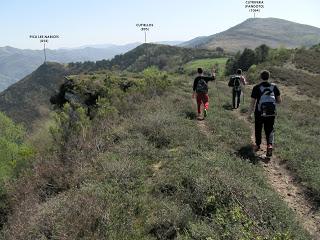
column 236, row 81
column 200, row 89
column 264, row 98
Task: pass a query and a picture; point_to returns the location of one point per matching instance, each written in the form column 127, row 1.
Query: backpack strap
column 271, row 87
column 237, row 78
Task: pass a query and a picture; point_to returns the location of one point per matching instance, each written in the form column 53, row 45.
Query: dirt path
column 204, row 129
column 293, row 193
column 282, row 180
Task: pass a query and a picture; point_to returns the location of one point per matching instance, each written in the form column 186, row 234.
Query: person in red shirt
column 200, row 89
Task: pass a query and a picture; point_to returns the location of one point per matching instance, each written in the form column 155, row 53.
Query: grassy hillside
column 165, row 57
column 124, row 157
column 256, row 31
column 28, row 100
column 218, row 63
column 143, row 168
column 308, row 59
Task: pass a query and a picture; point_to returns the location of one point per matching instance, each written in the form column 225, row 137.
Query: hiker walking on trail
column 200, row 89
column 236, row 82
column 264, row 98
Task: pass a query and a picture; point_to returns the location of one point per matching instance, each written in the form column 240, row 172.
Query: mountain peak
column 253, row 32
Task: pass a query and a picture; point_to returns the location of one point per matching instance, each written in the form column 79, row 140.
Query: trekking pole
column 243, row 96
column 214, row 72
column 216, row 83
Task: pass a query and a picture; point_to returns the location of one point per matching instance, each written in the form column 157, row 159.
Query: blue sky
column 81, row 22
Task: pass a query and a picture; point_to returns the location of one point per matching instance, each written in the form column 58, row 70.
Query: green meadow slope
column 138, row 165
column 143, row 168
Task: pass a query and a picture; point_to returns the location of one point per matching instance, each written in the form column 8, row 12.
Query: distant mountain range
column 170, row 43
column 256, row 31
column 127, row 46
column 109, row 46
column 27, row 100
column 17, row 63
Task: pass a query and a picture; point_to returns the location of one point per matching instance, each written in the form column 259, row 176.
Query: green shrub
column 156, row 80
column 14, row 153
column 308, row 59
column 247, row 58
column 253, row 75
column 15, row 156
column 279, row 56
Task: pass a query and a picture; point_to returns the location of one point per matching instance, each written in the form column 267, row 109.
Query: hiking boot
column 256, row 148
column 205, row 113
column 266, row 160
column 269, row 150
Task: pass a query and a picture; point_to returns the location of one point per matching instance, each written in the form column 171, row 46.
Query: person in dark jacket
column 236, row 82
column 200, row 90
column 265, row 96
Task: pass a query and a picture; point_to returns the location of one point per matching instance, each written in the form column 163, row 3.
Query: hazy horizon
column 93, row 45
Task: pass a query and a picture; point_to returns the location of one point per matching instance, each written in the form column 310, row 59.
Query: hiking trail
column 204, row 129
column 290, row 190
column 281, row 179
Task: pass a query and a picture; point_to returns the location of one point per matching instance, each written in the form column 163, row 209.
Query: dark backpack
column 235, row 82
column 267, row 102
column 202, row 86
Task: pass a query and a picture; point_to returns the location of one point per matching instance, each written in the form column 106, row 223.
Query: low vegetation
column 261, row 55
column 124, row 158
column 298, row 141
column 218, row 63
column 308, row 59
column 297, row 132
column 141, row 168
column 14, row 157
column 146, row 55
